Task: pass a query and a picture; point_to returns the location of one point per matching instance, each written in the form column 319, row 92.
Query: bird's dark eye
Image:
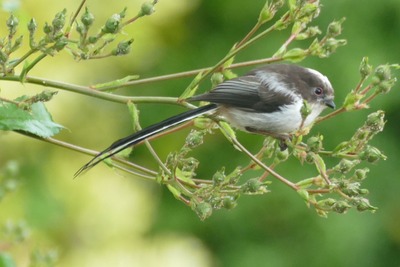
column 318, row 91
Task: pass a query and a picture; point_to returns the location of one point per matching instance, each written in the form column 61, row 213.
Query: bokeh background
column 106, row 218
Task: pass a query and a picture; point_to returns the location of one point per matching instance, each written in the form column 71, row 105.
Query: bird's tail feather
column 143, row 134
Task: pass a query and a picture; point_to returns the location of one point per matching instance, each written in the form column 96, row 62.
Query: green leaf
column 192, row 88
column 295, row 55
column 175, row 192
column 38, row 121
column 134, row 115
column 6, row 260
column 351, row 100
column 227, row 130
column 320, row 164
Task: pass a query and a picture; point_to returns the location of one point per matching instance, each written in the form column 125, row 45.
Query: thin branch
column 78, row 10
column 94, row 153
column 261, row 164
column 330, row 115
column 185, row 74
column 85, row 90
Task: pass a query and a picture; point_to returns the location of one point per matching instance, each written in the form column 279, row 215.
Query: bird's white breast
column 288, row 119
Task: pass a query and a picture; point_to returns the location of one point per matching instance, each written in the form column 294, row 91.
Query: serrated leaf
column 38, row 121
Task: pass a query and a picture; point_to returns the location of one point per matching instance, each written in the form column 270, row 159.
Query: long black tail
column 141, row 135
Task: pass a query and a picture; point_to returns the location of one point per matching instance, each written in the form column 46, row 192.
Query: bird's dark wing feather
column 244, row 92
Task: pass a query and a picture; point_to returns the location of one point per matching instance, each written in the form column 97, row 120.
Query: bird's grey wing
column 247, row 92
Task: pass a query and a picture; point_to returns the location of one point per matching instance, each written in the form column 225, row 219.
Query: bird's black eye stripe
column 318, row 91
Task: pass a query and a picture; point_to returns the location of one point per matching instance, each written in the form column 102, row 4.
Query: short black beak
column 330, row 103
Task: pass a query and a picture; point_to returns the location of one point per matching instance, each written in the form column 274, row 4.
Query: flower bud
column 32, row 26
column 203, row 210
column 310, row 9
column 363, row 191
column 12, row 23
column 229, row 202
column 59, row 20
column 252, row 186
column 383, row 73
column 314, row 143
column 332, row 44
column 310, row 158
column 123, row 48
column 375, row 121
column 305, row 109
column 371, row 154
column 218, row 178
column 282, row 155
column 194, row 139
column 365, row 68
column 363, row 205
column 61, row 43
column 80, row 29
column 326, row 203
column 385, row 86
column 112, row 24
column 308, row 33
column 217, row 78
column 266, row 14
column 87, row 18
column 346, row 165
column 93, row 39
column 341, row 206
column 361, row 174
column 146, row 9
column 47, row 28
column 335, row 28
column 351, row 189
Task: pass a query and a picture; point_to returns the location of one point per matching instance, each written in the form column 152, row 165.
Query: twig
column 261, row 164
column 93, row 153
column 78, row 10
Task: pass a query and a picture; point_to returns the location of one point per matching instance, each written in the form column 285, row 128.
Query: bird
column 267, row 101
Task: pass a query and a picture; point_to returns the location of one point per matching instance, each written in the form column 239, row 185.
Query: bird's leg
column 283, row 138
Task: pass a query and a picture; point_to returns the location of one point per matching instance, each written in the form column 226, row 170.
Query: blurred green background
column 106, row 218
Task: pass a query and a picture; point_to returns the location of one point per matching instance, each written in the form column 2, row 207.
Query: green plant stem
column 26, row 70
column 235, row 51
column 360, row 84
column 78, row 10
column 22, row 59
column 319, row 191
column 185, row 74
column 370, row 98
column 330, row 115
column 85, row 90
column 130, row 21
column 250, row 33
column 261, row 164
column 143, row 172
column 344, row 156
column 2, row 99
